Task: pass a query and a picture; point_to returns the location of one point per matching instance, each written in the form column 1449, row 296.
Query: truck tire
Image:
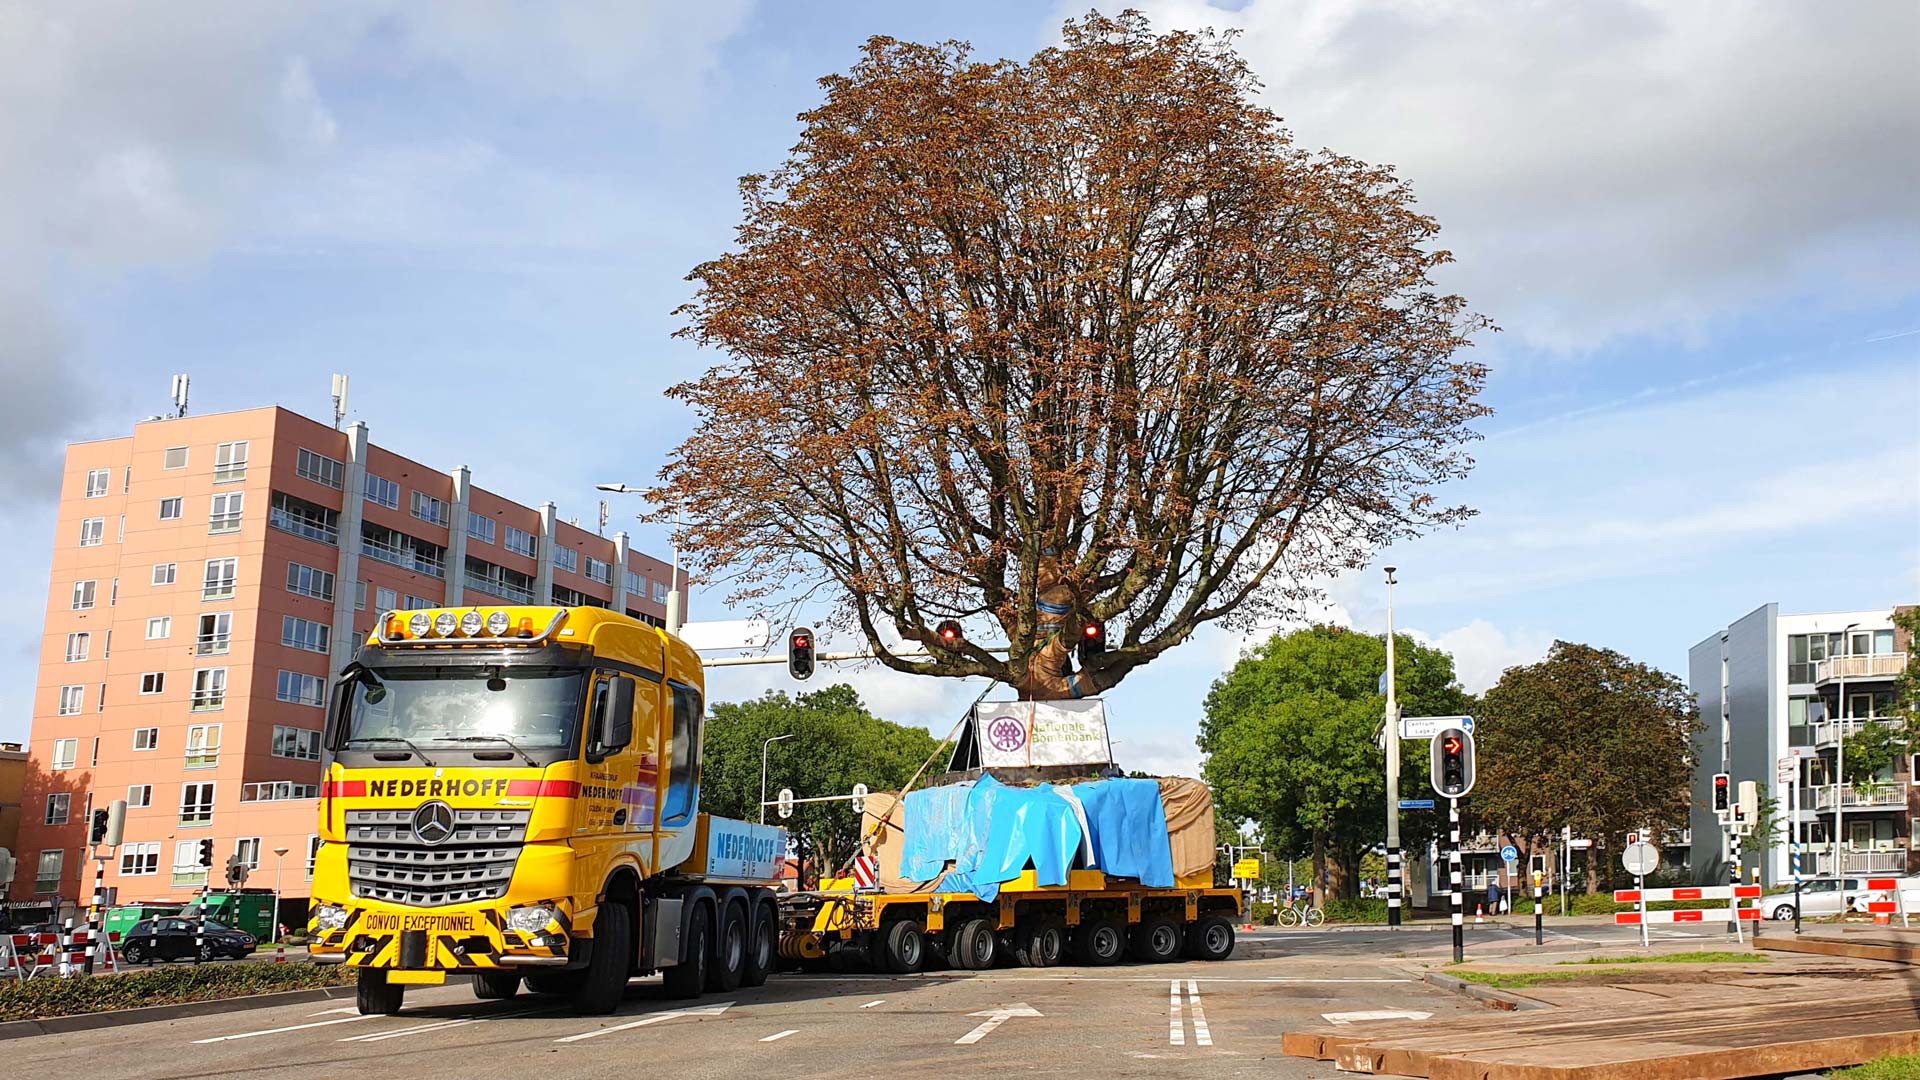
column 904, row 948
column 1099, row 942
column 763, row 947
column 1040, row 944
column 729, row 951
column 975, row 946
column 375, row 996
column 496, row 985
column 1156, row 940
column 1209, row 938
column 604, row 982
column 688, row 978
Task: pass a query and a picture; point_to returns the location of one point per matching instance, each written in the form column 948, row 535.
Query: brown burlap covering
column 1189, row 824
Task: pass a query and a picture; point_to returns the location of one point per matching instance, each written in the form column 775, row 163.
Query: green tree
column 1291, row 734
column 1585, row 738
column 1872, row 750
column 836, row 744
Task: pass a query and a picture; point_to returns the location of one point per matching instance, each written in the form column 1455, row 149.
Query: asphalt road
column 1189, row 1019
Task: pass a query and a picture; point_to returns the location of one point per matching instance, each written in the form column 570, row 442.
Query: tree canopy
column 836, row 744
column 1291, row 736
column 1085, row 337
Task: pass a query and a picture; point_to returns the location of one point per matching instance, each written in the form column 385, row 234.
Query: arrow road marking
column 280, row 1030
column 652, row 1018
column 994, row 1018
column 1176, row 1028
column 1375, row 1014
column 1202, row 1035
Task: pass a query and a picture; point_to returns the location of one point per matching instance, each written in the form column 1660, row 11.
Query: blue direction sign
column 1509, row 853
column 1416, row 804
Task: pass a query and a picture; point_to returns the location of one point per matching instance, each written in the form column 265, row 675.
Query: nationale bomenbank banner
column 1016, row 734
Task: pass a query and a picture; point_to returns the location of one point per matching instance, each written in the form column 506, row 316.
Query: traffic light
column 1723, row 796
column 1451, row 763
column 99, row 830
column 1746, row 808
column 116, row 823
column 1093, row 640
column 800, row 645
column 949, row 633
column 206, row 853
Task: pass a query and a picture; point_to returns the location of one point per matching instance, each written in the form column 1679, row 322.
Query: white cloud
column 1612, row 168
column 1481, row 651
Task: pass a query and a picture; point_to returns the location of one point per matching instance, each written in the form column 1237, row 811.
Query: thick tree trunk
column 1319, row 869
column 1593, row 871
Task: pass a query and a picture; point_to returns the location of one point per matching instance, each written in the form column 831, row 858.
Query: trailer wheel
column 762, row 948
column 1040, row 944
column 975, row 946
column 375, row 996
column 729, row 952
column 1099, row 943
column 1156, row 940
column 905, row 947
column 495, row 985
column 688, row 978
column 604, row 982
column 1209, row 938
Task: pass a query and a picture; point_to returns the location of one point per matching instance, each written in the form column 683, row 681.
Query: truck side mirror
column 613, row 720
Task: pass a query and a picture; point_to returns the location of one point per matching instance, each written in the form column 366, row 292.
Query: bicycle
column 1301, row 914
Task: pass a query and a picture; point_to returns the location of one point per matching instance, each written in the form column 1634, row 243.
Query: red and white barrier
column 24, row 956
column 1702, row 892
column 1892, row 901
column 1732, row 913
column 1699, row 915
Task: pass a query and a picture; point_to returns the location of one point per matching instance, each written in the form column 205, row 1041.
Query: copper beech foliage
column 1092, row 322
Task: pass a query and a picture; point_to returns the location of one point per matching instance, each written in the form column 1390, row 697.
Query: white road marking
column 281, row 1030
column 651, row 1018
column 333, row 1012
column 1176, row 1029
column 778, row 1035
column 994, row 1018
column 871, row 1004
column 438, row 1025
column 1202, row 1035
column 1375, row 1014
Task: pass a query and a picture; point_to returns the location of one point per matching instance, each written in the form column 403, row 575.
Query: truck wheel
column 1156, row 940
column 375, row 995
column 1209, row 938
column 905, row 947
column 975, row 946
column 689, row 977
column 1040, row 944
column 730, row 951
column 763, row 948
column 604, row 982
column 496, row 985
column 1099, row 943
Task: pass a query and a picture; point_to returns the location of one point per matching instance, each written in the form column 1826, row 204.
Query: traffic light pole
column 1733, row 870
column 1395, row 877
column 1453, row 877
column 94, row 910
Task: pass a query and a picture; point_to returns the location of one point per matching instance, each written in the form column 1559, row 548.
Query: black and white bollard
column 1733, row 872
column 1453, row 874
column 95, row 912
column 1393, row 886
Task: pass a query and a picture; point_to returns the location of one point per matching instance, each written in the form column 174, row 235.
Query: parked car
column 1825, row 896
column 172, row 938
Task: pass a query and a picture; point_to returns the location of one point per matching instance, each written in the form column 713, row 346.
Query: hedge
column 50, row 995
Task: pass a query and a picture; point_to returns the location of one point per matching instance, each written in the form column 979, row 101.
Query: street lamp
column 279, row 858
column 1396, row 874
column 1840, row 754
column 673, row 589
column 764, row 747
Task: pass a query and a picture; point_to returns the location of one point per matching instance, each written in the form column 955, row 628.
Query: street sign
column 859, row 798
column 1246, row 869
column 786, row 802
column 1416, row 804
column 1426, row 727
column 1580, row 843
column 1640, row 859
column 1509, row 853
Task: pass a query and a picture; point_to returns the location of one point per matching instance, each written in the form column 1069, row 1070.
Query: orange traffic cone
column 1479, row 913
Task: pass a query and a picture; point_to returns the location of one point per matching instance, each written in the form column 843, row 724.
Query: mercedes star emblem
column 433, row 822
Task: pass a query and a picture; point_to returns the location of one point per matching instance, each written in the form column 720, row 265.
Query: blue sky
column 1695, row 225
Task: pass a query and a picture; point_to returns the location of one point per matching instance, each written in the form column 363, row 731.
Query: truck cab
column 513, row 794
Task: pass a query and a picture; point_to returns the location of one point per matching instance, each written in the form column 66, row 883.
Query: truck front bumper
column 453, row 939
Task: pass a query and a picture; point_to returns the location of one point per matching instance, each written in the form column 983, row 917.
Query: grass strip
column 1704, row 957
column 47, row 996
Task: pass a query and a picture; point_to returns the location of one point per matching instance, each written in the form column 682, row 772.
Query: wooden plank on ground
column 1767, row 1055
column 1871, row 949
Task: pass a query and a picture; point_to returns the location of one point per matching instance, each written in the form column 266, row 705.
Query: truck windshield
column 531, row 707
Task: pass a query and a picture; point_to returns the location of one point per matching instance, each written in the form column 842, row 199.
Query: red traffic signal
column 1722, row 793
column 800, row 655
column 1093, row 640
column 1451, row 765
column 949, row 633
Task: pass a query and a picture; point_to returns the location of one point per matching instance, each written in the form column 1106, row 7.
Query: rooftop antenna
column 339, row 400
column 180, row 395
column 603, row 517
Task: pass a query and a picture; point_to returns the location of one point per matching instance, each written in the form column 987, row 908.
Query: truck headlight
column 330, row 917
column 531, row 919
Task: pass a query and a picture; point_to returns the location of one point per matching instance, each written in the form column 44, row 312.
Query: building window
column 230, row 461
column 302, row 518
column 402, row 550
column 247, row 850
column 170, row 509
column 210, row 691
column 84, row 593
column 216, row 634
column 46, row 881
column 57, row 805
column 152, row 682
column 220, row 576
column 298, row 633
column 309, row 581
column 415, row 603
column 146, row 738
column 481, row 528
column 139, row 796
column 66, row 752
column 72, row 698
column 565, row 597
column 298, row 689
column 126, row 480
column 383, row 491
column 186, row 863
column 320, row 469
column 159, row 628
column 98, row 481
column 427, row 508
column 296, row 743
column 121, row 536
column 93, row 532
column 102, row 707
column 165, row 573
column 78, row 645
column 636, row 585
column 226, row 512
column 566, row 558
column 203, row 743
column 659, row 592
column 521, row 543
column 359, row 596
column 388, row 599
column 139, row 860
column 278, row 791
column 313, row 853
column 599, row 571
column 176, row 458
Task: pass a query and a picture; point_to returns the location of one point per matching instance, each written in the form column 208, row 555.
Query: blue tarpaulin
column 1129, row 826
column 931, row 832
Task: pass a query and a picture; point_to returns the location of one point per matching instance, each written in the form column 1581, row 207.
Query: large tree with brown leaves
column 1087, row 333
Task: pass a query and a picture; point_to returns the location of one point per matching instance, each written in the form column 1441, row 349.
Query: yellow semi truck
column 513, row 794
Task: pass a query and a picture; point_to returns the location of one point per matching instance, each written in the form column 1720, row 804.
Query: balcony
column 1827, row 733
column 1888, row 796
column 1879, row 861
column 403, row 551
column 1875, row 666
column 500, row 589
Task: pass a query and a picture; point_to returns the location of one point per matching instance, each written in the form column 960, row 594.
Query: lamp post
column 673, row 585
column 1840, row 756
column 1396, row 877
column 279, row 859
column 764, row 747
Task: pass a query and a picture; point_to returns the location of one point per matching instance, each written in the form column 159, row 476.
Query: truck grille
column 386, row 861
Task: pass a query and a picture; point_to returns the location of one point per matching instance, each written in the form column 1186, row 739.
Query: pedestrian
column 1493, row 895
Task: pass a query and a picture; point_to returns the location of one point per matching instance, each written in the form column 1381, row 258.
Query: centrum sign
column 1016, row 734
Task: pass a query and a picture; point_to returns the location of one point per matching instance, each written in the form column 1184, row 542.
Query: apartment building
column 210, row 575
column 1778, row 692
